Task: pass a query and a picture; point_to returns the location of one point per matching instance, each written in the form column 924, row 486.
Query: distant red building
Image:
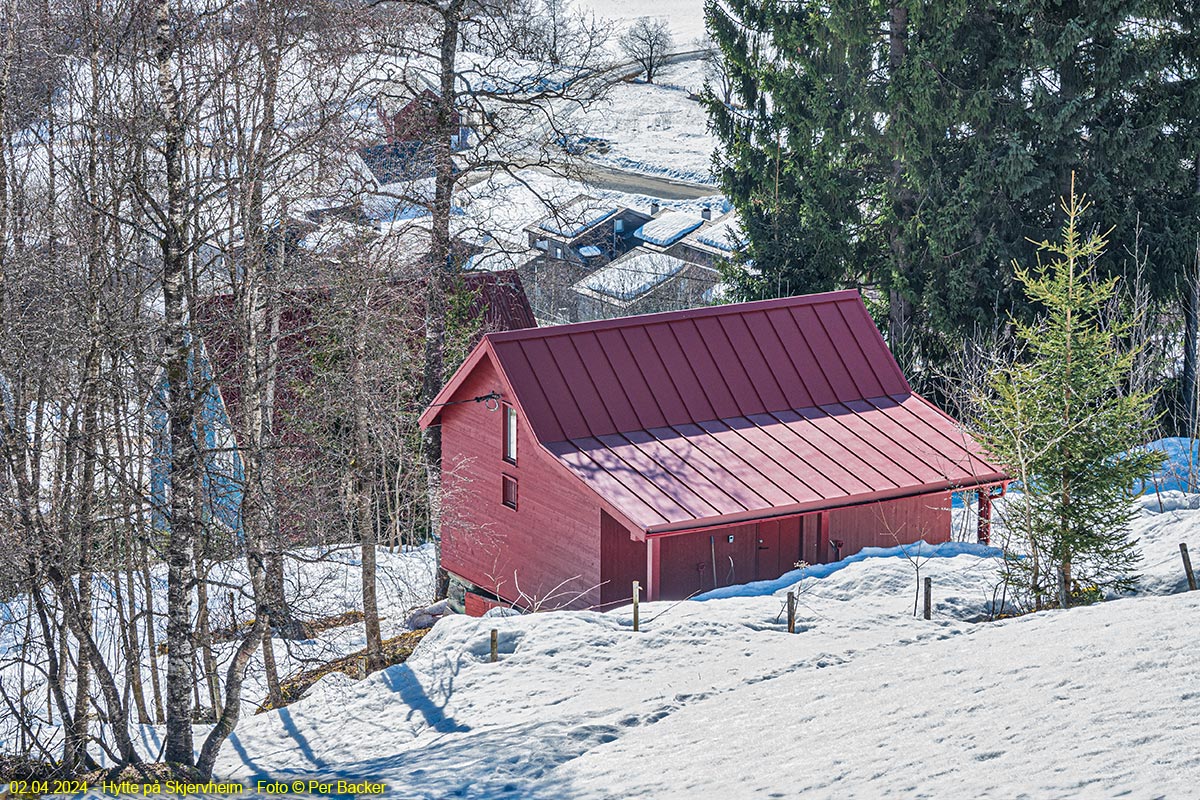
column 495, row 301
column 416, row 119
column 688, row 450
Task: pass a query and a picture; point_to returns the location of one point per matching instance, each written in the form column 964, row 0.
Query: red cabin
column 687, row 450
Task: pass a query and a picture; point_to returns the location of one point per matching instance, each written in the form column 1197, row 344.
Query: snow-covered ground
column 714, row 699
column 657, row 129
column 320, row 583
column 685, row 17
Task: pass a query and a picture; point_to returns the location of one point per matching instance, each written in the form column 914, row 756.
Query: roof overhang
column 801, row 509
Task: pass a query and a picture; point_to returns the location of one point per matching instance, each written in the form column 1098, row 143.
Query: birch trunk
column 180, row 406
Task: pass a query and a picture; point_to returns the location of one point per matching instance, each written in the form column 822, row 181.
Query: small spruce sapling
column 1069, row 428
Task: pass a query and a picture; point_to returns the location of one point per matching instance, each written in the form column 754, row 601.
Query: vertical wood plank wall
column 890, row 523
column 622, row 561
column 547, row 551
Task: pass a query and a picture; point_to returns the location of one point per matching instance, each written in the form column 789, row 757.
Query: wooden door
column 791, row 543
column 768, row 551
column 780, row 546
column 814, row 539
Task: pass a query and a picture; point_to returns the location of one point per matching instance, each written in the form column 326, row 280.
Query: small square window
column 509, row 491
column 510, row 434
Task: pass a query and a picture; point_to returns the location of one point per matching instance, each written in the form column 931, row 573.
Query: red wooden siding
column 770, row 548
column 547, row 551
column 476, row 605
column 622, row 561
column 688, row 560
column 888, row 524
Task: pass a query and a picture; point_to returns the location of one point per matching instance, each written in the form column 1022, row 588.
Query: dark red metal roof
column 732, row 412
column 498, row 300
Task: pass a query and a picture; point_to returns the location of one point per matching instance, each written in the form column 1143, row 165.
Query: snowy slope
column 320, row 583
column 1098, row 702
column 714, row 699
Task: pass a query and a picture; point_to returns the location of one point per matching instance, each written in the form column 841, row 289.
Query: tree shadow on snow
column 503, row 761
column 402, row 680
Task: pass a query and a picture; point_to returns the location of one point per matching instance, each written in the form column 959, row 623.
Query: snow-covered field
column 657, row 129
column 685, row 17
column 714, row 699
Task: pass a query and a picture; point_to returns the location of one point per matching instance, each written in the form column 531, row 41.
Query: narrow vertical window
column 510, row 434
column 508, row 491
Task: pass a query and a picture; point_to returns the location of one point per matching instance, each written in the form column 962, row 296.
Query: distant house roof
column 729, row 413
column 577, row 217
column 632, row 275
column 497, row 301
column 667, row 229
column 724, row 235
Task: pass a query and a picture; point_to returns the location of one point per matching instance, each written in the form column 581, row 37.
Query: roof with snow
column 730, row 413
column 398, row 162
column 631, row 276
column 577, row 217
column 667, row 229
column 725, row 234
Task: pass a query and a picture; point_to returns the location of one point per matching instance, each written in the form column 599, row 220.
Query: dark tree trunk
column 1191, row 335
column 442, row 269
column 364, row 520
column 900, row 307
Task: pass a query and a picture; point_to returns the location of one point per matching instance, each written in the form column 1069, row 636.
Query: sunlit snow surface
column 715, row 699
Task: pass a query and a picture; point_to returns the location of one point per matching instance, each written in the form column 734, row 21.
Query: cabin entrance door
column 780, row 546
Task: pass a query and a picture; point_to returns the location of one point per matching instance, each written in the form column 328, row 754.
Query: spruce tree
column 912, row 146
column 1064, row 422
column 793, row 160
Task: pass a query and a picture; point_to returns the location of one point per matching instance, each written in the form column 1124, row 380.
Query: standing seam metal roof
column 733, row 412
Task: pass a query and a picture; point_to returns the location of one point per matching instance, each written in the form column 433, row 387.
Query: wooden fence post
column 1187, row 566
column 637, row 590
column 928, row 598
column 791, row 612
column 495, row 645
